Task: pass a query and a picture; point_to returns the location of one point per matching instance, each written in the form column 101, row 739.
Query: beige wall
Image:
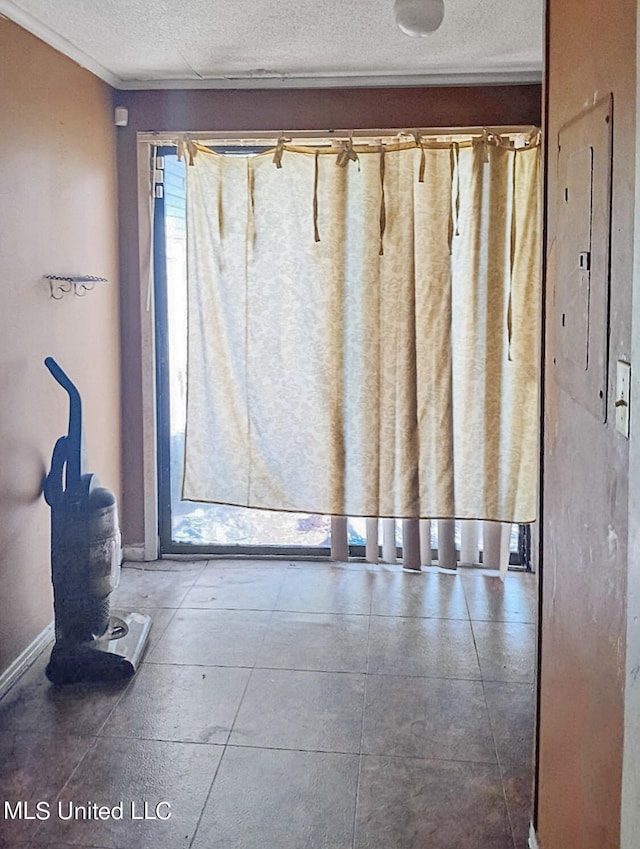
column 586, row 463
column 57, row 214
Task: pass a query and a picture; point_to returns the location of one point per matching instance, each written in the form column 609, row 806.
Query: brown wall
column 57, row 214
column 591, row 53
column 229, row 111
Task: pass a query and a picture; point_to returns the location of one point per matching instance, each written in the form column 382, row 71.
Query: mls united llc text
column 138, row 810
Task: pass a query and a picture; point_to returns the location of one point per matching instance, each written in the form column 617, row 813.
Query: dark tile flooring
column 291, row 706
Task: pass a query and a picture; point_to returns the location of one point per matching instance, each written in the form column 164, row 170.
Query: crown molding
column 13, row 12
column 373, row 80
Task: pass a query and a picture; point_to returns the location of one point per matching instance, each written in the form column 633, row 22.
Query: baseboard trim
column 136, row 553
column 533, row 840
column 20, row 665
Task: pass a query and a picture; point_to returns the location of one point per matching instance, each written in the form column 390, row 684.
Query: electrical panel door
column 581, row 304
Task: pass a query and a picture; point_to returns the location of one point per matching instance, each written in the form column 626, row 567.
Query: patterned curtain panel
column 363, row 331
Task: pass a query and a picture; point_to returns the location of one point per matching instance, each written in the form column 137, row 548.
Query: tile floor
column 290, row 705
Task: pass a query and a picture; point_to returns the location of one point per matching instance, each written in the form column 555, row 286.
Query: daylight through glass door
column 186, row 524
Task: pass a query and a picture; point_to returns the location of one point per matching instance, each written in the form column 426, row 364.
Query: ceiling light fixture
column 418, row 17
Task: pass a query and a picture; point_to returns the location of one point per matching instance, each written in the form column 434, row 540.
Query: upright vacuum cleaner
column 92, row 642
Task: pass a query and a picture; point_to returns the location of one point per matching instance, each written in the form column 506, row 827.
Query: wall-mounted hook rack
column 79, row 284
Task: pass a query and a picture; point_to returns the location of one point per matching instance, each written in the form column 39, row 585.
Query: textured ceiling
column 242, row 43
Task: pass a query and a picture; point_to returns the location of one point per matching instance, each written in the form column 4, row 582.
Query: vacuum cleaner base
column 113, row 657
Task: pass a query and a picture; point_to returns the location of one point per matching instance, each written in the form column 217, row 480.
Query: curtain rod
column 373, row 136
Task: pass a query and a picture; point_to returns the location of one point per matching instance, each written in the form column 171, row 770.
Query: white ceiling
column 286, row 43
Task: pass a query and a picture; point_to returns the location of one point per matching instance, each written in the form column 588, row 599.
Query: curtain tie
column 187, row 148
column 316, row 232
column 513, row 250
column 454, row 219
column 383, row 210
column 347, row 154
column 484, row 141
column 423, row 163
column 277, row 156
column 251, row 222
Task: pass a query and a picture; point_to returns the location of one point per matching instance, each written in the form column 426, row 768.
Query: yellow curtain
column 363, row 331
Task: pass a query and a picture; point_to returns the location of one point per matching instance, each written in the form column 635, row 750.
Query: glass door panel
column 188, row 525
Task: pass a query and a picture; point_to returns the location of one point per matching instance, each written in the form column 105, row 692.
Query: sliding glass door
column 192, row 527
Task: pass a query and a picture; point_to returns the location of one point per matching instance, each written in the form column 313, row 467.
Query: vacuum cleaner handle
column 68, row 449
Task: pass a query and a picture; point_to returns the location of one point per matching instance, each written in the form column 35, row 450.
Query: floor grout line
column 231, row 727
column 90, row 748
column 500, row 772
column 362, row 721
